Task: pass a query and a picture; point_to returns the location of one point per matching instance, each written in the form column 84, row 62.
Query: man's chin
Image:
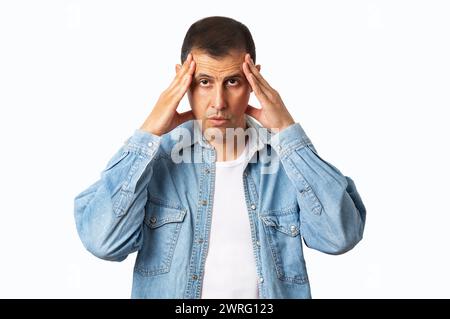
column 212, row 128
column 220, row 124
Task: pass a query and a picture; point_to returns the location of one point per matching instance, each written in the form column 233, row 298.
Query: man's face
column 219, row 92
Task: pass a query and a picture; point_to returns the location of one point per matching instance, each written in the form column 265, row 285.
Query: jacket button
column 194, row 277
column 293, row 228
column 253, row 206
column 204, row 202
column 257, row 243
column 153, row 220
column 150, row 144
column 261, row 279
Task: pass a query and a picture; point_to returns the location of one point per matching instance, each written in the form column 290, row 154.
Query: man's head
column 219, row 92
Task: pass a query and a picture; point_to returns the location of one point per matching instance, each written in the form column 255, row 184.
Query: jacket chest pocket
column 162, row 225
column 284, row 240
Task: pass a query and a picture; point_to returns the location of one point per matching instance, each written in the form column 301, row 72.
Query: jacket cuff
column 143, row 142
column 291, row 138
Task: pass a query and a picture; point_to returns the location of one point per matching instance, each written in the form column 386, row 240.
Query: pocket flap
column 157, row 215
column 287, row 224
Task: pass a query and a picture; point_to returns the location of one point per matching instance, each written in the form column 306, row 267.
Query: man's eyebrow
column 204, row 75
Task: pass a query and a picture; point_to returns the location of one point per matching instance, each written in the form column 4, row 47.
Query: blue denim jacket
column 145, row 201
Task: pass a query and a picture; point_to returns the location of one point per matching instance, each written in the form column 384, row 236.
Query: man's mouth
column 217, row 120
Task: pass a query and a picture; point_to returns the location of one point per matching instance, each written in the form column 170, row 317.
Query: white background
column 368, row 80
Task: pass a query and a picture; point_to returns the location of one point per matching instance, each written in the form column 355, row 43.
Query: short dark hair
column 217, row 36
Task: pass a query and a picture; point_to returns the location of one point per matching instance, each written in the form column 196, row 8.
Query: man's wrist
column 151, row 131
column 150, row 127
column 286, row 125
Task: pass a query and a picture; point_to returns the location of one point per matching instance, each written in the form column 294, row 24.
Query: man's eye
column 232, row 82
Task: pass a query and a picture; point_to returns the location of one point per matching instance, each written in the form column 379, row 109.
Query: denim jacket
column 146, row 201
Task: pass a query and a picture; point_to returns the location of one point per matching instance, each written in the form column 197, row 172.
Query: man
column 213, row 214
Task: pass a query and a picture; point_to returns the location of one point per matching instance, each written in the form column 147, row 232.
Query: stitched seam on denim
column 207, row 229
column 196, row 248
column 274, row 254
column 164, row 268
column 141, row 150
column 132, row 172
column 164, row 203
column 288, row 149
column 173, row 245
column 253, row 189
column 316, row 207
column 298, row 280
column 286, row 210
column 277, row 261
column 162, row 221
column 167, row 261
column 149, row 273
column 279, row 225
column 124, row 197
column 121, row 204
column 253, row 231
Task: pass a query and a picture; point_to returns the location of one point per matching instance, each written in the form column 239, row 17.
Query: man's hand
column 164, row 116
column 273, row 114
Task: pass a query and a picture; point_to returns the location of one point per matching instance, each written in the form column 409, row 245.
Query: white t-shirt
column 230, row 269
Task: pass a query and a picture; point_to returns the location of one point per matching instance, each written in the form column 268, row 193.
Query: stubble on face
column 221, row 77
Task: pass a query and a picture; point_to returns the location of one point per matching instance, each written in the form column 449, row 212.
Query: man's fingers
column 254, row 69
column 191, row 69
column 252, row 80
column 256, row 73
column 187, row 69
column 187, row 62
column 255, row 84
column 184, row 74
column 187, row 78
column 183, row 69
column 187, row 65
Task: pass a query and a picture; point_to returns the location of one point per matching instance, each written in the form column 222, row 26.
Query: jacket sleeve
column 332, row 214
column 109, row 214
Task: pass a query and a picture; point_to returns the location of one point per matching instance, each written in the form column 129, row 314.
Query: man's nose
column 219, row 98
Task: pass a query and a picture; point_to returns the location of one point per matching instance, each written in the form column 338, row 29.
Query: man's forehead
column 216, row 67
